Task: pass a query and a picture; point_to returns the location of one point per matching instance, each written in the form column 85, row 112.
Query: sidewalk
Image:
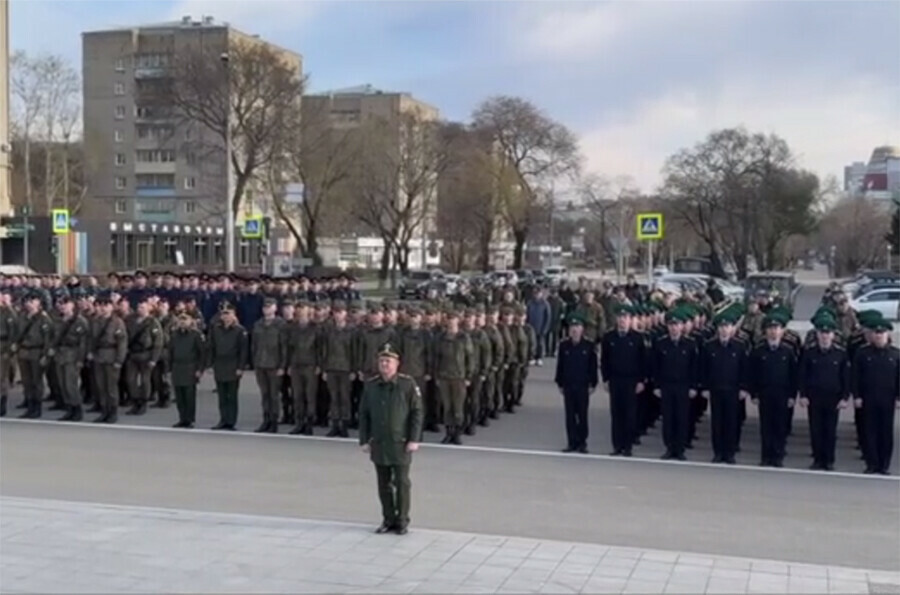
column 68, row 547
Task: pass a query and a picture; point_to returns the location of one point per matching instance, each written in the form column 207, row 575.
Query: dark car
column 781, row 284
column 415, row 285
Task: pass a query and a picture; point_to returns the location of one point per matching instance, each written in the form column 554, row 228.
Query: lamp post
column 229, row 211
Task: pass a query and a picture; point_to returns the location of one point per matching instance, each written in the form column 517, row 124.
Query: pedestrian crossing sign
column 253, row 226
column 60, row 220
column 650, row 226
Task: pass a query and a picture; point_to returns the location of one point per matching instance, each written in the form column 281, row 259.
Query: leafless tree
column 253, row 95
column 531, row 150
column 856, row 228
column 27, row 85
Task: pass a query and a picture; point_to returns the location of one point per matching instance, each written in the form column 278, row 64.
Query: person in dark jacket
column 538, row 318
column 623, row 367
column 674, row 364
column 876, row 391
column 723, row 380
column 576, row 377
column 186, row 359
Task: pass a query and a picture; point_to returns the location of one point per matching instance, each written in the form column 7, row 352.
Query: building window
column 121, row 182
column 117, row 136
column 120, row 64
column 156, row 156
column 153, row 132
column 120, row 112
column 120, row 206
column 189, row 183
column 190, row 207
column 244, row 253
column 119, row 88
column 120, row 158
column 190, row 158
column 155, row 181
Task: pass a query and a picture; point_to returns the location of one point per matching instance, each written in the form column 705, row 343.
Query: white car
column 500, row 278
column 452, row 284
column 699, row 281
column 555, row 275
column 886, row 301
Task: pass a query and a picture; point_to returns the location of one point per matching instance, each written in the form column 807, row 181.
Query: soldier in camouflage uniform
column 8, row 322
column 186, row 358
column 269, row 356
column 592, row 315
column 451, row 368
column 159, row 378
column 474, row 410
column 337, row 359
column 145, row 344
column 70, row 346
column 106, row 354
column 32, row 346
column 303, row 361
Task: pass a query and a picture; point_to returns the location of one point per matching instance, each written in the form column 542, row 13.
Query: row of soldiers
column 677, row 368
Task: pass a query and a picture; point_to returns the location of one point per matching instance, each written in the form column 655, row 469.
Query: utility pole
column 229, row 210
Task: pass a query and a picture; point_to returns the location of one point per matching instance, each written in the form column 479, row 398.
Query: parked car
column 885, row 300
column 866, row 277
column 870, row 287
column 556, row 274
column 415, row 284
column 699, row 282
column 782, row 282
column 451, row 284
column 503, row 277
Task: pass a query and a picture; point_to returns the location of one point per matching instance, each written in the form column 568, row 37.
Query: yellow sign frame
column 259, row 227
column 56, row 214
column 642, row 218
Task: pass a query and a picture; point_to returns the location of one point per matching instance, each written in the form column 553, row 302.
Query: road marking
column 465, row 447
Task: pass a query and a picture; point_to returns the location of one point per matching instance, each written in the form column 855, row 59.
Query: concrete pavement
column 90, row 548
column 801, row 517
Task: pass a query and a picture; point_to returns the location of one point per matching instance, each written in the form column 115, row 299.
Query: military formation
column 130, row 342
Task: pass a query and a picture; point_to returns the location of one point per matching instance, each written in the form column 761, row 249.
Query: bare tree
column 399, row 167
column 856, row 228
column 320, row 155
column 250, row 94
column 60, row 88
column 531, row 151
column 27, row 83
column 612, row 203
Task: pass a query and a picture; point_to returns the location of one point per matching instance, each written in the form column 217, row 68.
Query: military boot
column 69, row 415
column 57, row 406
column 29, row 411
column 447, row 431
column 135, row 408
column 95, row 408
column 22, row 405
column 3, row 406
column 470, row 429
column 454, row 437
column 111, row 418
column 335, row 431
column 308, row 427
column 101, row 419
column 77, row 413
column 297, row 430
column 264, row 426
column 273, row 426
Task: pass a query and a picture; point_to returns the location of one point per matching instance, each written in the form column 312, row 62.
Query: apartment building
column 156, row 182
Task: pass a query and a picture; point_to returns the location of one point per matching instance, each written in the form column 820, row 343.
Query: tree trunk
column 48, row 177
column 519, row 235
column 29, row 191
column 65, row 168
column 385, row 263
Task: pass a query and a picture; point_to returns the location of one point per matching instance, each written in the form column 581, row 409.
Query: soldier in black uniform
column 723, row 380
column 623, row 367
column 576, row 377
column 673, row 366
column 876, row 391
column 824, row 383
column 773, row 383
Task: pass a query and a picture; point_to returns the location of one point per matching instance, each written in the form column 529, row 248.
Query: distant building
column 153, row 202
column 5, row 148
column 882, row 179
column 854, row 174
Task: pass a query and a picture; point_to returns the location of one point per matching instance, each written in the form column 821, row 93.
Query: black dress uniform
column 576, row 376
column 723, row 372
column 674, row 373
column 773, row 382
column 824, row 380
column 876, row 382
column 623, row 365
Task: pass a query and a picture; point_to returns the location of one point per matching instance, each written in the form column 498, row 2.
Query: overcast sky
column 635, row 80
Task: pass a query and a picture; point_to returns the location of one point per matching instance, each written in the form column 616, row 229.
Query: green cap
column 825, row 322
column 882, row 325
column 773, row 319
column 574, row 320
column 625, row 310
column 388, row 350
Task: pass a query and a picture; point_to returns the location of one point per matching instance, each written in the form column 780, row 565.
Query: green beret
column 388, row 350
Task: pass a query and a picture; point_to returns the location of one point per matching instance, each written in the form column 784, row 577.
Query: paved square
column 69, row 547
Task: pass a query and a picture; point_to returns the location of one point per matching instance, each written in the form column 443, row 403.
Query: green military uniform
column 70, row 348
column 32, row 346
column 8, row 322
column 303, row 361
column 594, row 320
column 390, row 417
column 269, row 356
column 107, row 353
column 337, row 359
column 451, row 368
column 159, row 378
column 493, row 388
column 510, row 373
column 528, row 347
column 185, row 358
column 145, row 343
column 50, row 369
column 227, row 356
column 369, row 340
column 414, row 346
column 475, row 408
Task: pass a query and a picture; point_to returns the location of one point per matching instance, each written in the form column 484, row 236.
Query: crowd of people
column 147, row 339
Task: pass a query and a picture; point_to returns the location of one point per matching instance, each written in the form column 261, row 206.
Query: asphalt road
column 787, row 516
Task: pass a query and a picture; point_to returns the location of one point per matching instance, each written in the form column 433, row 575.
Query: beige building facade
column 5, row 147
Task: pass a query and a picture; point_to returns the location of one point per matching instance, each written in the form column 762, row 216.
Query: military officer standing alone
column 269, row 361
column 70, row 347
column 390, row 429
column 185, row 358
column 576, row 377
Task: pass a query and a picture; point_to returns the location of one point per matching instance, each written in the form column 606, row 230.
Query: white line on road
column 464, row 447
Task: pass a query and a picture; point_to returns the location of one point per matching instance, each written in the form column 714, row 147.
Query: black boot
column 77, row 413
column 57, row 406
column 273, row 426
column 334, row 432
column 101, row 419
column 95, row 408
column 297, row 430
column 342, row 430
column 135, row 408
column 308, row 427
column 37, row 410
column 483, row 422
column 22, row 405
column 3, row 406
column 264, row 426
column 287, row 415
column 454, row 437
column 470, row 430
column 29, row 411
column 447, row 432
column 69, row 415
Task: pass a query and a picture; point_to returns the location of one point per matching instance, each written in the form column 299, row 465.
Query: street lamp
column 229, row 211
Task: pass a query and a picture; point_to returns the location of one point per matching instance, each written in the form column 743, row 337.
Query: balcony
column 154, row 167
column 155, row 192
column 143, row 73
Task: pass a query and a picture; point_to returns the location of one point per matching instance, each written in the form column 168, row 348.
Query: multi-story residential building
column 5, row 147
column 853, row 177
column 157, row 183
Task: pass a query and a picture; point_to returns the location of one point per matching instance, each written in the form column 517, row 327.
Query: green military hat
column 289, row 302
column 867, row 317
column 825, row 322
column 823, row 310
column 675, row 315
column 723, row 318
column 373, row 307
column 575, row 320
column 507, row 311
column 492, row 309
column 625, row 310
column 388, row 350
column 479, row 309
column 451, row 313
column 882, row 325
column 357, row 306
column 323, row 305
column 520, row 309
column 773, row 319
column 338, row 306
column 269, row 301
column 303, row 304
column 388, row 305
column 413, row 311
column 471, row 312
column 427, row 309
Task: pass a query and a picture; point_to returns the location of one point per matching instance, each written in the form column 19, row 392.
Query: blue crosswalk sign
column 60, row 221
column 253, row 227
column 650, row 226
